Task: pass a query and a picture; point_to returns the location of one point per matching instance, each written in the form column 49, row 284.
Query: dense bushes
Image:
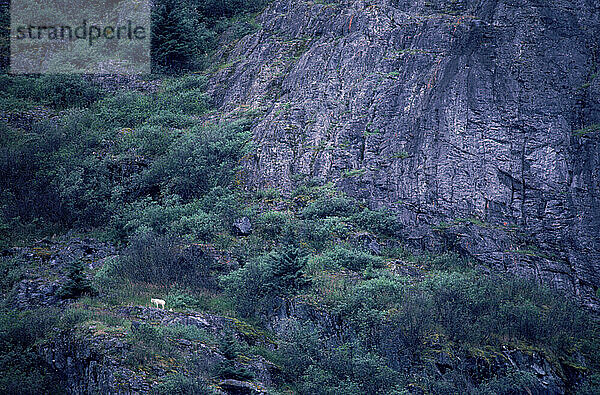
column 59, row 91
column 95, row 165
column 258, row 287
column 481, row 309
column 378, row 221
column 319, row 364
column 274, row 223
column 179, row 384
column 392, row 321
column 468, row 308
column 185, row 32
column 164, row 260
column 341, row 257
column 200, row 160
column 328, row 206
column 23, row 370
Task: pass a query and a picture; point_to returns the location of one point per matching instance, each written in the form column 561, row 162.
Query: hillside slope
column 484, row 113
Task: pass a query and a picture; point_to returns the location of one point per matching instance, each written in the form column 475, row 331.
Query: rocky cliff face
column 95, row 359
column 477, row 120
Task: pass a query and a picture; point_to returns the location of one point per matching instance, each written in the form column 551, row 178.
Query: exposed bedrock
column 487, row 111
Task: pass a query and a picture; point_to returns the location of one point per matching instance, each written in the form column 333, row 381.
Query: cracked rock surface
column 444, row 111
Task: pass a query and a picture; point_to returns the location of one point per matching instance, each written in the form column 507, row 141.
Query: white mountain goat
column 158, row 302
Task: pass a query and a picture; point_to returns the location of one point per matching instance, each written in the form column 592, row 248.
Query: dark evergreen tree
column 179, row 40
column 286, row 268
column 227, row 369
column 77, row 283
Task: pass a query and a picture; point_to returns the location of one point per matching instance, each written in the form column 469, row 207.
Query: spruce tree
column 77, row 283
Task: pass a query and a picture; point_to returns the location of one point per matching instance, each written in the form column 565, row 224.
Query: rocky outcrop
column 242, row 226
column 93, row 364
column 485, row 110
column 45, row 267
column 95, row 359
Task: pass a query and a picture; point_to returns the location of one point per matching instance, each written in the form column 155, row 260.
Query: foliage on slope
column 147, row 171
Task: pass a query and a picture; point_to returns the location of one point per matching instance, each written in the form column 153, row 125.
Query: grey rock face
column 91, row 360
column 36, row 293
column 87, row 367
column 242, row 226
column 47, row 268
column 486, row 110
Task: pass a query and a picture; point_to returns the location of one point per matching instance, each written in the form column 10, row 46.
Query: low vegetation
column 312, row 289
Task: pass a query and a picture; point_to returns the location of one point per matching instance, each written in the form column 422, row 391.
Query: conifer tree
column 77, row 283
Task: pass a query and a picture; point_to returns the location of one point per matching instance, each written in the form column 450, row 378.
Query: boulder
column 242, row 227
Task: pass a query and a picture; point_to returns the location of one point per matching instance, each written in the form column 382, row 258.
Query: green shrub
column 259, row 286
column 200, row 160
column 124, row 110
column 164, row 260
column 224, row 204
column 395, row 316
column 148, row 141
column 379, row 221
column 170, row 217
column 321, row 365
column 179, row 299
column 147, row 342
column 171, row 120
column 73, row 316
column 108, row 273
column 188, row 332
column 317, row 380
column 158, row 216
column 328, row 206
column 179, row 384
column 185, row 94
column 391, row 317
column 478, row 308
column 200, row 225
column 273, row 223
column 227, row 370
column 325, row 232
column 58, row 91
column 342, row 257
column 64, row 91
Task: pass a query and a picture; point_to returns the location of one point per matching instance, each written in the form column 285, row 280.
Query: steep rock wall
column 485, row 110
